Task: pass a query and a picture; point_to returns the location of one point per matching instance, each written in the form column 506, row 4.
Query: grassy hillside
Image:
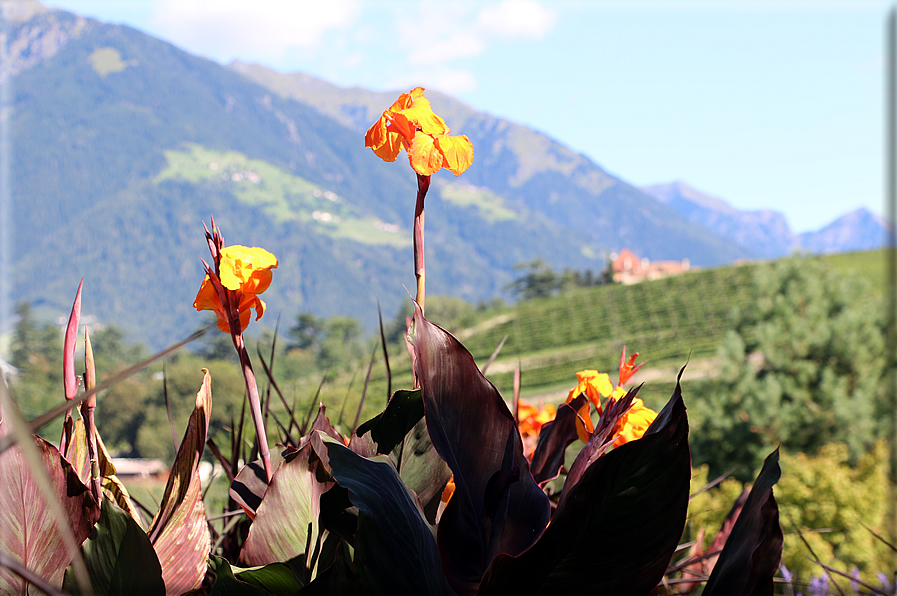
column 669, row 322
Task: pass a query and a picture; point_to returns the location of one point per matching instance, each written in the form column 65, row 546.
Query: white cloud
column 517, row 18
column 437, row 34
column 259, row 30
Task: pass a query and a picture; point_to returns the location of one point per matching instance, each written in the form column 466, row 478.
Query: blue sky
column 765, row 104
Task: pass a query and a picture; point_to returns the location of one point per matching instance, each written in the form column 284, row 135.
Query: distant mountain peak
column 766, row 233
column 18, row 11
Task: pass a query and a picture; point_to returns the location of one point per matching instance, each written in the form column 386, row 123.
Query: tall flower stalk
column 237, row 276
column 420, row 273
column 410, row 124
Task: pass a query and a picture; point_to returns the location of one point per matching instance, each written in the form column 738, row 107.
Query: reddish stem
column 254, row 401
column 423, row 185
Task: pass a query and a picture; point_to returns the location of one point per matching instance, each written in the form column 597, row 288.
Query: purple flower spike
column 68, row 354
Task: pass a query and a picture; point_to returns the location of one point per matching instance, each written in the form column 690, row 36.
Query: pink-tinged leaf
column 250, row 484
column 617, row 528
column 179, row 532
column 289, row 510
column 497, row 507
column 27, row 529
column 111, row 485
column 753, row 550
column 68, row 355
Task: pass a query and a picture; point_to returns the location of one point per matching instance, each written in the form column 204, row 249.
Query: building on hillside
column 630, row 269
column 140, row 469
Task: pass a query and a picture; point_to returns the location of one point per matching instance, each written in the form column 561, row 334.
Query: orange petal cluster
column 594, row 385
column 634, row 423
column 411, row 124
column 530, row 420
column 244, row 273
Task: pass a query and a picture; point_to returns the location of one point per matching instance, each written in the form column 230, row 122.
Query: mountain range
column 766, row 233
column 124, row 144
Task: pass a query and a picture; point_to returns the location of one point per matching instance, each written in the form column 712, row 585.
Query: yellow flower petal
column 457, row 151
column 421, row 115
column 240, row 266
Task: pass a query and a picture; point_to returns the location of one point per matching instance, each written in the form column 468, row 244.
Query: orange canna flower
column 410, row 124
column 531, row 418
column 594, row 385
column 627, row 367
column 244, row 273
column 634, row 423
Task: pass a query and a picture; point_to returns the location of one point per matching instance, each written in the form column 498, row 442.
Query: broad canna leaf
column 401, row 432
column 277, row 579
column 179, row 532
column 753, row 550
column 226, row 583
column 292, row 504
column 554, row 439
column 389, row 428
column 112, row 486
column 394, row 545
column 619, row 525
column 340, row 578
column 119, row 558
column 599, row 443
column 497, row 507
column 250, row 484
column 27, row 529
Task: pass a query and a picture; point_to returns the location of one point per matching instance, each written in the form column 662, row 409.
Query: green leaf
column 617, row 528
column 497, row 507
column 388, row 428
column 227, row 584
column 753, row 550
column 27, row 529
column 179, row 532
column 277, row 578
column 395, row 546
column 119, row 557
column 401, row 431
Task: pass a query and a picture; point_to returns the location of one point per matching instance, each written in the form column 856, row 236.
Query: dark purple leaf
column 474, row 432
column 619, row 525
column 394, row 544
column 599, row 443
column 554, row 439
column 753, row 550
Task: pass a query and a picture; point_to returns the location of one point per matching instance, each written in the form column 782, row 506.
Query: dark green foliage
column 119, row 558
column 334, row 341
column 801, row 367
column 541, row 281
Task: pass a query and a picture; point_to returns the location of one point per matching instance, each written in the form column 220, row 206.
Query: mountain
column 124, row 144
column 857, row 230
column 766, row 234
